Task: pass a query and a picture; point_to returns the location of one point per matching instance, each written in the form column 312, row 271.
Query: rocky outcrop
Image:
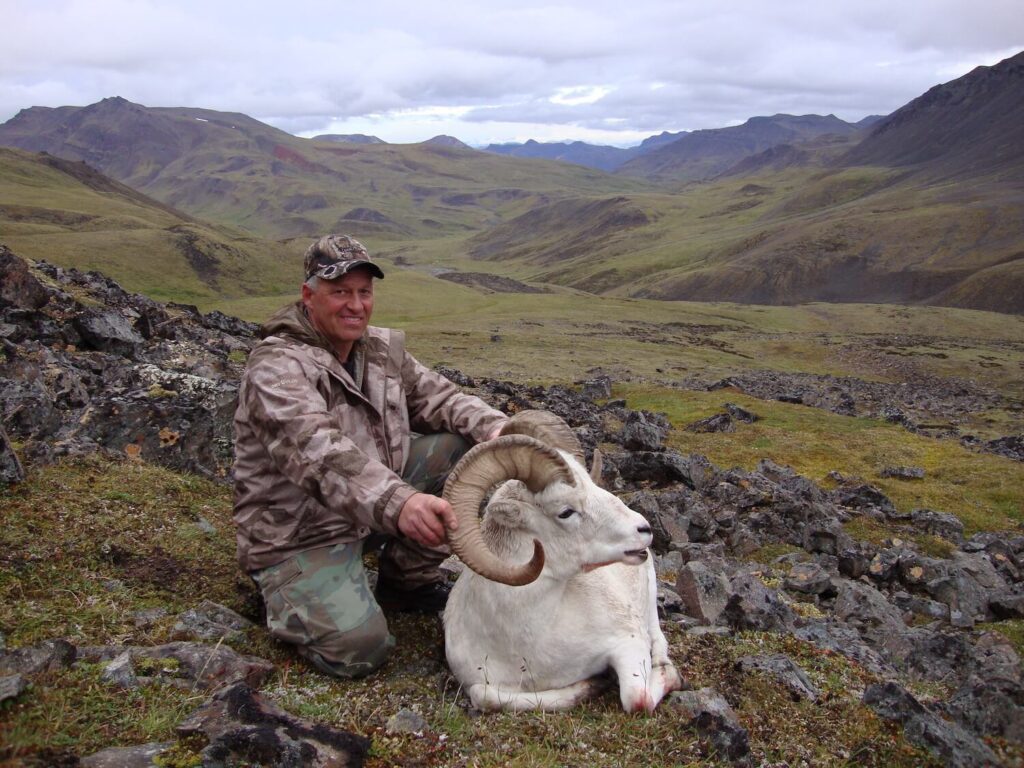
column 86, row 366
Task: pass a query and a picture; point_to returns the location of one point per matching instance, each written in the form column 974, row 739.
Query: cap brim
column 375, row 270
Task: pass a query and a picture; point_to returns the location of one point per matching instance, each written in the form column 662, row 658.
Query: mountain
column 598, row 156
column 591, row 155
column 348, row 138
column 236, row 170
column 971, row 126
column 706, row 153
column 69, row 214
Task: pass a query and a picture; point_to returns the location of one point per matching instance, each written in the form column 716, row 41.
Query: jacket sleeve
column 437, row 405
column 289, row 416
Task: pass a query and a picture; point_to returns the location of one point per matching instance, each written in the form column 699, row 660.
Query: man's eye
column 566, row 513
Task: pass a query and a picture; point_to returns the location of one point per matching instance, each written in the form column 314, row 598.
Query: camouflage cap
column 334, row 256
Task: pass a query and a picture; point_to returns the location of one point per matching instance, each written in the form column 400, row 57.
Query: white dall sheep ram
column 540, row 635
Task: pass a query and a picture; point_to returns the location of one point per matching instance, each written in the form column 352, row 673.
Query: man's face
column 340, row 309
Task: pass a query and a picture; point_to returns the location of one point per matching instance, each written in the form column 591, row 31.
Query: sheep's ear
column 507, row 514
column 512, row 490
column 596, row 465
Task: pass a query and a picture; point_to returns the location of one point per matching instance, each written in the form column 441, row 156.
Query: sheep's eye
column 566, row 513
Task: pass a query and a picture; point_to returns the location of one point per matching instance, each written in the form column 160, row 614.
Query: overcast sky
column 406, row 70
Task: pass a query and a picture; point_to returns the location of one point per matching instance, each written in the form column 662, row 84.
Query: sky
column 491, row 72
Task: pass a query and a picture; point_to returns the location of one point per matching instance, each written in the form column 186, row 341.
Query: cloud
column 486, row 72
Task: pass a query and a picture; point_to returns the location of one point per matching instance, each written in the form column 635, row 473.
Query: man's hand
column 424, row 518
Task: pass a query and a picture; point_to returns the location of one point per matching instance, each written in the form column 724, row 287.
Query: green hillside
column 70, row 215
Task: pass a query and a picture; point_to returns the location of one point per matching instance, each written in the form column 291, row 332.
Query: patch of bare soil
column 487, row 282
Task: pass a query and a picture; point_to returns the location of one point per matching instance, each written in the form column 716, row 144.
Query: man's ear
column 307, row 293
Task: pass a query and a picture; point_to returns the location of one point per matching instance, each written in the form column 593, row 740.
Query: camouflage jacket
column 318, row 452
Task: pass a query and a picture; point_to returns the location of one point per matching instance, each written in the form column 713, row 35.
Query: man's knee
column 353, row 653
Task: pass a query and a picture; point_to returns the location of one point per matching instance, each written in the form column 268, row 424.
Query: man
column 325, row 459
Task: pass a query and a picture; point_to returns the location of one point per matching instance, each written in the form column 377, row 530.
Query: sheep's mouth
column 636, row 554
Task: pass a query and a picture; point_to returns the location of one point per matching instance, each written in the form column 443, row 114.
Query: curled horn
column 546, row 427
column 508, row 457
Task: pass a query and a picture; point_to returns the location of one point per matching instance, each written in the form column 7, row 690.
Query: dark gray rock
column 753, row 606
column 831, row 635
column 809, row 579
column 665, row 511
column 863, row 497
column 741, row 414
column 597, row 388
column 938, row 523
column 880, row 623
column 45, row 656
column 642, row 432
column 120, row 672
column 708, row 712
column 241, row 727
column 948, row 741
column 18, row 286
column 210, row 621
column 704, row 589
column 720, row 422
column 903, row 473
column 784, row 670
column 990, row 708
column 11, row 686
column 108, row 331
column 657, row 467
column 126, row 757
column 11, row 470
column 199, row 665
column 406, row 721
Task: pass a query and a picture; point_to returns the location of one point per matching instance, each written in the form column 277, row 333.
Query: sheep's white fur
column 593, row 608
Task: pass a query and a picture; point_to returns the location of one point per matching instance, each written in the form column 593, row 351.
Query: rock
column 108, row 331
column 640, row 436
column 657, row 467
column 211, row 621
column 826, row 535
column 938, row 523
column 864, row 497
column 948, row 741
column 704, row 590
column 45, row 656
column 741, row 414
column 207, row 667
column 18, row 286
column 406, row 721
column 147, row 617
column 902, row 473
column 711, row 715
column 783, row 669
column 752, row 605
column 11, row 686
column 831, row 635
column 878, row 621
column 970, row 580
column 884, row 564
column 11, row 470
column 668, row 565
column 120, row 672
column 990, row 708
column 665, row 512
column 597, row 388
column 241, row 727
column 126, row 757
column 720, row 422
column 1007, row 603
column 669, row 601
column 809, row 579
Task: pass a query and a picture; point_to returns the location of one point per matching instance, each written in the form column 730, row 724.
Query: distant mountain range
column 925, row 205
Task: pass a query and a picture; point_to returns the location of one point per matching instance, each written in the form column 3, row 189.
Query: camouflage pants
column 320, row 600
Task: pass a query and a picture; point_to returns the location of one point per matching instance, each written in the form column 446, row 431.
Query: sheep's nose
column 645, row 529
